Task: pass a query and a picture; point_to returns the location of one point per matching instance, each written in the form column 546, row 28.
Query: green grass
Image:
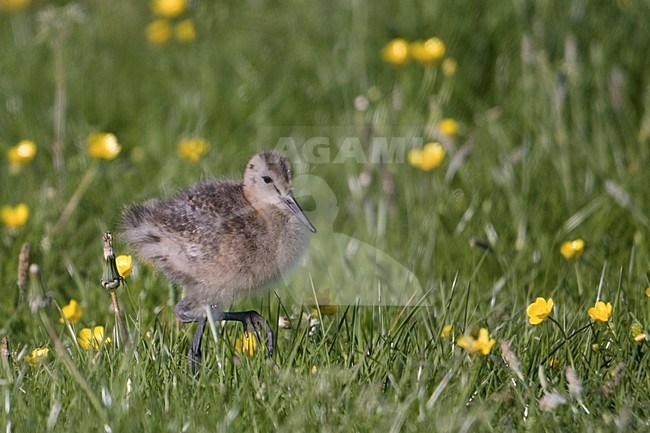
column 552, row 97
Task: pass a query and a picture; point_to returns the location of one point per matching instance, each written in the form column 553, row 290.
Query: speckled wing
column 182, row 235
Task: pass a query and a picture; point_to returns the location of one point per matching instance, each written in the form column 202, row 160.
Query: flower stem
column 610, row 326
column 427, row 83
column 566, row 339
column 111, row 280
column 73, row 203
column 120, row 322
column 559, row 327
column 578, row 279
column 58, row 44
column 59, row 348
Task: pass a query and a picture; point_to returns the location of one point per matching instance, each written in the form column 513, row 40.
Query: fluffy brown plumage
column 222, row 239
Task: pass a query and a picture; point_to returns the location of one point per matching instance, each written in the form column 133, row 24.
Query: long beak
column 292, row 204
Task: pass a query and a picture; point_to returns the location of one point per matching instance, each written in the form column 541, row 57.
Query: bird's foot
column 252, row 321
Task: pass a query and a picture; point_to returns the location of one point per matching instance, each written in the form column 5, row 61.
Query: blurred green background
column 552, row 99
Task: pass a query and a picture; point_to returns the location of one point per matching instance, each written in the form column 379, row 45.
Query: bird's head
column 267, row 181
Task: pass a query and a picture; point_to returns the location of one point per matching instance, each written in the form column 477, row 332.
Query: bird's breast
column 249, row 259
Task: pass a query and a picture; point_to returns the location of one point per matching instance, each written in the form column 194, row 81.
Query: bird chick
column 221, row 240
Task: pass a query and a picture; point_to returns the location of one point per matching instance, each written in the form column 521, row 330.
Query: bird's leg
column 194, row 354
column 252, row 320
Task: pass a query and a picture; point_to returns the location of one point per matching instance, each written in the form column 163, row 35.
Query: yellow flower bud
column 601, row 312
column 168, row 8
column 103, row 145
column 396, row 52
column 448, row 127
column 483, row 344
column 14, row 216
column 571, row 250
column 72, row 312
column 429, row 52
column 88, row 338
column 13, row 6
column 430, row 157
column 124, row 265
column 159, row 31
column 37, row 356
column 23, row 153
column 185, row 31
column 449, row 66
column 246, row 344
column 539, row 310
column 193, row 149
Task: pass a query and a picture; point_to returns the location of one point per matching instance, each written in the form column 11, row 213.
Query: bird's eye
column 267, row 179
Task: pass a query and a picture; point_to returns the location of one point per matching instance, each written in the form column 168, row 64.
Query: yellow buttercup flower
column 168, row 8
column 430, row 157
column 193, row 149
column 185, row 31
column 88, row 338
column 539, row 310
column 12, row 6
column 72, row 312
column 448, row 127
column 636, row 329
column 37, row 356
column 159, row 31
column 124, row 265
column 324, row 303
column 23, row 153
column 647, row 292
column 396, row 52
column 14, row 216
column 245, row 344
column 327, row 310
column 446, row 331
column 103, row 145
column 483, row 344
column 429, row 52
column 449, row 66
column 572, row 249
column 601, row 312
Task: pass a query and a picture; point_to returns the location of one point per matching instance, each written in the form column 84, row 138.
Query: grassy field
column 552, row 104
